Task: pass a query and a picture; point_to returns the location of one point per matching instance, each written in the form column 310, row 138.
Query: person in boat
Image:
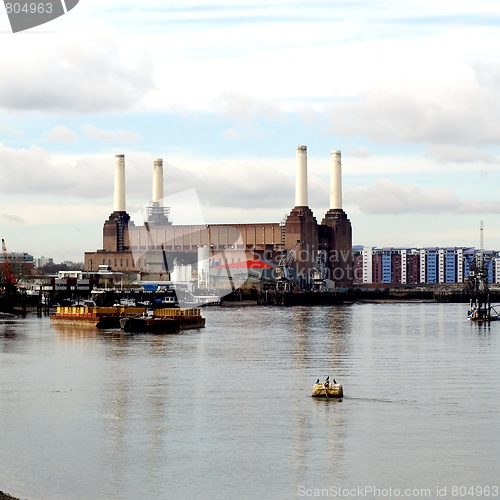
column 317, row 381
column 327, row 381
column 334, row 381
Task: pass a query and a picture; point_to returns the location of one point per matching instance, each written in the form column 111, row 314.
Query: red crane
column 9, row 275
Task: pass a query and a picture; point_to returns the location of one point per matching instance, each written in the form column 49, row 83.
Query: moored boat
column 166, row 320
column 149, row 324
column 327, row 390
column 482, row 312
column 99, row 317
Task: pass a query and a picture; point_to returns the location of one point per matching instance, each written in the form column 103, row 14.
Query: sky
column 408, row 90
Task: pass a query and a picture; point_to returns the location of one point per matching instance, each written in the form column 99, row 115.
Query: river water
column 225, row 412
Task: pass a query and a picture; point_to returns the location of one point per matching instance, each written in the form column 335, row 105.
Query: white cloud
column 118, row 136
column 78, row 73
column 61, row 134
column 457, row 154
column 244, row 109
column 35, row 172
column 412, row 113
column 387, row 197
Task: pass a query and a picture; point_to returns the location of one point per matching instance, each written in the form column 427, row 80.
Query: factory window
column 186, row 247
column 121, row 262
column 240, row 247
column 109, row 262
column 116, row 260
column 168, row 247
column 177, row 247
column 222, row 247
column 126, row 263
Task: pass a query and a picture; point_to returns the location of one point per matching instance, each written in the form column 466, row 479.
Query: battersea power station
column 307, row 247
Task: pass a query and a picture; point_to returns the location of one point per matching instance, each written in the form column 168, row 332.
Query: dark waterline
column 226, row 412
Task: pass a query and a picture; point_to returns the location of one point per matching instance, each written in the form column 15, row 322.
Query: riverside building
column 420, row 266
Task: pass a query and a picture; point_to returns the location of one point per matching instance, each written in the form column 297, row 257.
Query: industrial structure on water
column 313, row 251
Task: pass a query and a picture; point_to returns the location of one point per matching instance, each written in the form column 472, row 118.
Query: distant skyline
column 408, row 91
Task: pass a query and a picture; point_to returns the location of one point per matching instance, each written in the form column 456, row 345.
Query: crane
column 319, row 275
column 480, row 306
column 284, row 267
column 9, row 275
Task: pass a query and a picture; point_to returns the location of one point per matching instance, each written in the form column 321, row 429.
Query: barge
column 131, row 319
column 98, row 317
column 168, row 320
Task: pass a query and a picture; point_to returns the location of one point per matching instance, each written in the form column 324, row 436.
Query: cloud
column 359, row 152
column 10, row 218
column 412, row 113
column 457, row 154
column 10, row 131
column 387, row 197
column 238, row 183
column 61, row 134
column 36, row 172
column 475, row 206
column 121, row 136
column 79, row 73
column 245, row 109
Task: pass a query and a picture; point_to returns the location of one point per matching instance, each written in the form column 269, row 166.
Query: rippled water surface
column 226, row 413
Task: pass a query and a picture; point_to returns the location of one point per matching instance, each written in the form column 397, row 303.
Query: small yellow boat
column 327, row 390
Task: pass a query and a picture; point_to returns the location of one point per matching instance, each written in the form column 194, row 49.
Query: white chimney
column 336, row 182
column 119, row 183
column 158, row 181
column 301, row 181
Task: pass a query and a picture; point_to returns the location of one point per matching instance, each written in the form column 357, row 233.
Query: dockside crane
column 319, row 274
column 480, row 305
column 283, row 271
column 10, row 279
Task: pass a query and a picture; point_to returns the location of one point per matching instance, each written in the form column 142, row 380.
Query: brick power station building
column 152, row 244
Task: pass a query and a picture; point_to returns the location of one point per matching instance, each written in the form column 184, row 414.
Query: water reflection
column 233, row 405
column 8, row 332
column 72, row 332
